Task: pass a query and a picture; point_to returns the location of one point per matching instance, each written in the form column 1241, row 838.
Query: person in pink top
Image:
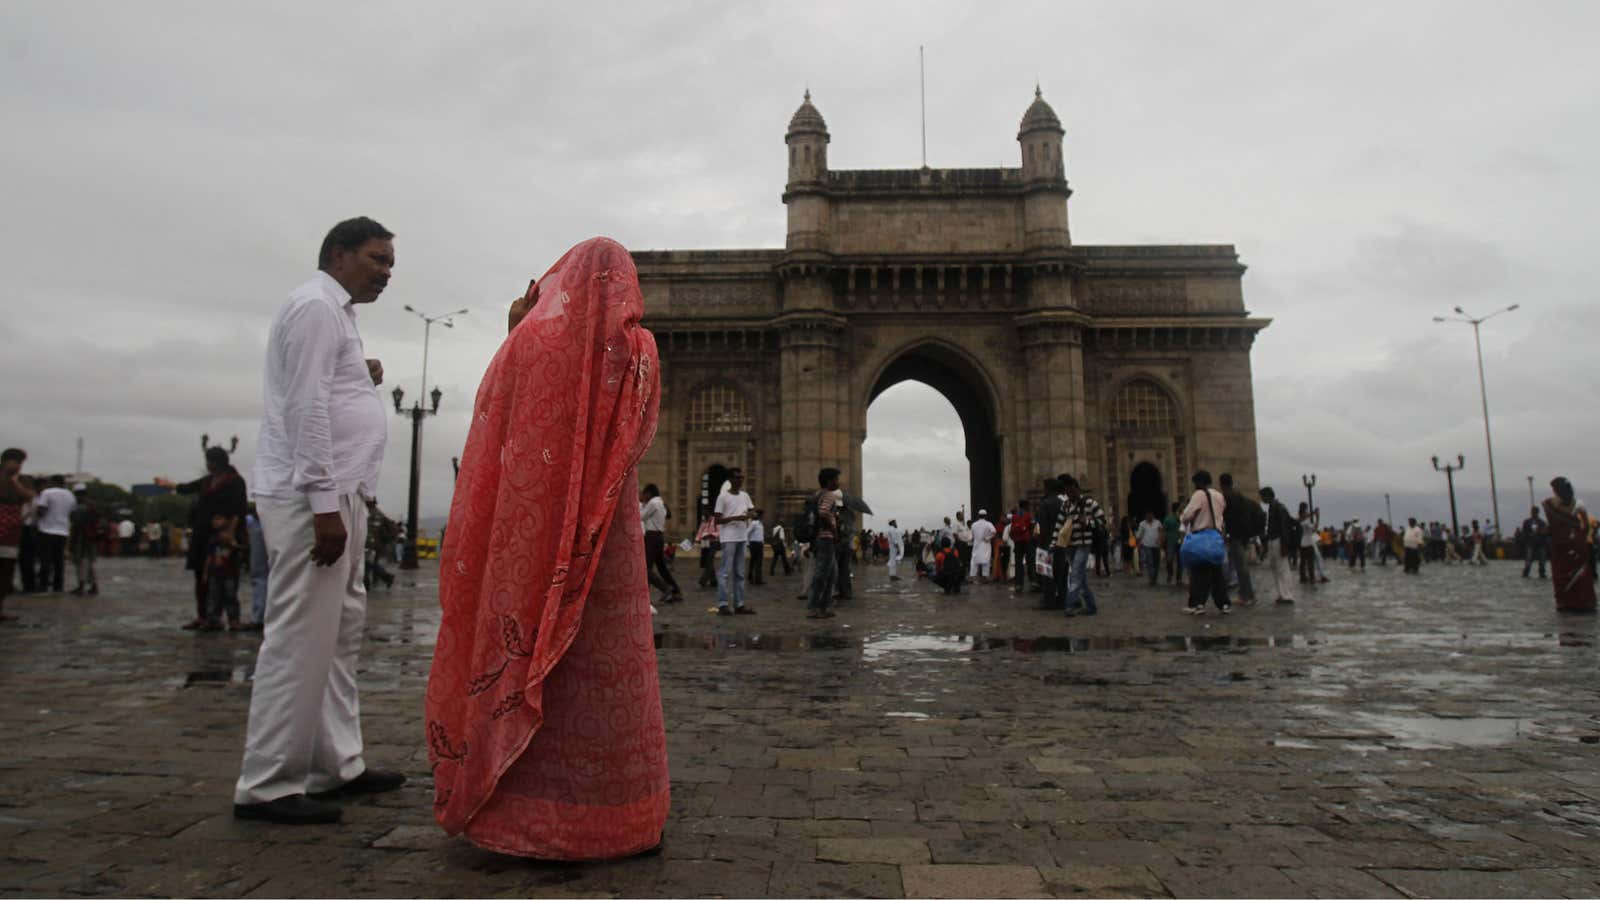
column 1205, row 511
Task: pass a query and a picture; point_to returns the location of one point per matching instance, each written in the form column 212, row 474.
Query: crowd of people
column 1052, row 545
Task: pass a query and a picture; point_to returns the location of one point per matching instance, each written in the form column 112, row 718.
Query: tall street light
column 417, row 412
column 1310, row 481
column 1450, row 479
column 1483, row 394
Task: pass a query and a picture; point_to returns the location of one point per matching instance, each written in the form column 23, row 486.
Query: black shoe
column 77, row 591
column 370, row 781
column 744, row 611
column 297, row 809
column 724, row 611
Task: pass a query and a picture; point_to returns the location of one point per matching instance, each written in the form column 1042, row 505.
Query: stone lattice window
column 719, row 409
column 1143, row 406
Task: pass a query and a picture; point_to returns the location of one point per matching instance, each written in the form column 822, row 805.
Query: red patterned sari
column 543, row 711
column 1570, row 572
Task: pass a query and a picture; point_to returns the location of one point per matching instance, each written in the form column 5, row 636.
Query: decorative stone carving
column 1156, row 297
column 720, row 299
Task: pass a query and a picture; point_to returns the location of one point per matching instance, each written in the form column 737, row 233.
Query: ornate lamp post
column 1310, row 481
column 1483, row 394
column 417, row 412
column 1450, row 479
column 1388, row 510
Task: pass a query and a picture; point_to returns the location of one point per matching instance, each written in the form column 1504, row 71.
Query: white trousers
column 895, row 555
column 305, row 730
column 1283, row 571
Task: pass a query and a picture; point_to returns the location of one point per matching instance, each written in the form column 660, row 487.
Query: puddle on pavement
column 878, row 646
column 1365, row 731
column 205, row 677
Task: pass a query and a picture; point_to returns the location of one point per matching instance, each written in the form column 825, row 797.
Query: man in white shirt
column 962, row 537
column 653, row 517
column 982, row 538
column 897, row 549
column 1412, row 541
column 125, row 542
column 322, row 438
column 732, row 515
column 757, row 543
column 55, row 505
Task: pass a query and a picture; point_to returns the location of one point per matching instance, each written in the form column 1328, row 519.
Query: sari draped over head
column 544, row 720
column 1571, row 574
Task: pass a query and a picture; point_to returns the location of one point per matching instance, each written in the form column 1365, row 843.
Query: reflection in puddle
column 908, row 715
column 881, row 645
column 235, row 675
column 1432, row 733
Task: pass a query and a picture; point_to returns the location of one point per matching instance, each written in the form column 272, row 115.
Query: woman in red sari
column 1571, row 573
column 544, row 717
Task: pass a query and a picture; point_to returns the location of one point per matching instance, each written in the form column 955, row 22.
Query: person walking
column 84, row 540
column 1412, row 542
column 896, row 549
column 778, row 544
column 1241, row 524
column 1205, row 512
column 1355, row 538
column 260, row 569
column 1535, row 543
column 757, row 545
column 1151, row 536
column 1021, row 533
column 1081, row 518
column 1048, row 523
column 653, row 516
column 1572, row 562
column 1283, row 546
column 1174, row 530
column 733, row 514
column 55, row 504
column 15, row 496
column 323, row 431
column 1308, row 545
column 220, row 490
column 823, row 521
column 983, row 532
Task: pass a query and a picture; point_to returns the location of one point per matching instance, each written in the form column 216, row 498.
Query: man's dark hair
column 1226, row 480
column 1202, row 479
column 216, row 456
column 348, row 235
column 1066, row 482
column 650, row 490
column 827, row 475
column 735, row 471
column 58, row 480
column 1022, row 505
column 1269, row 493
column 13, row 454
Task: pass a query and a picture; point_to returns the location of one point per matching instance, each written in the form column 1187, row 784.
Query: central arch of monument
column 1123, row 365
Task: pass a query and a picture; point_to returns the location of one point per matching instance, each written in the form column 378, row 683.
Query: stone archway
column 960, row 381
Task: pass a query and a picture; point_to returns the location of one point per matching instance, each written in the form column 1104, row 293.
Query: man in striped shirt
column 1085, row 515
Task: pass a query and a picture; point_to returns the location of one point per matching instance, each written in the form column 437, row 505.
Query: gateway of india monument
column 1126, row 366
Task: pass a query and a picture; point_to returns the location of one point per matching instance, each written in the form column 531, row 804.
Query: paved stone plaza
column 1387, row 736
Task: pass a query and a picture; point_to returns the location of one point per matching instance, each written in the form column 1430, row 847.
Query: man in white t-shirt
column 55, row 504
column 732, row 516
column 982, row 538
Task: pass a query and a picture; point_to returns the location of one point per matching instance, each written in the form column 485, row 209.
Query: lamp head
column 1438, row 318
column 436, row 394
column 1458, row 310
column 1513, row 307
column 399, row 394
column 408, row 308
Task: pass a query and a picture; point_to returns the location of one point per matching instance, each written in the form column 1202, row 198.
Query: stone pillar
column 1055, row 439
column 816, row 430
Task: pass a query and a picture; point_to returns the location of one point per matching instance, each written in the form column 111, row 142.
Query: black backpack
column 805, row 529
column 1258, row 521
column 1291, row 529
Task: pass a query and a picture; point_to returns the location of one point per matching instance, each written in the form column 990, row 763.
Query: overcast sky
column 169, row 169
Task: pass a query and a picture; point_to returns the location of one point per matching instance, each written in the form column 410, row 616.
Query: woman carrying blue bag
column 1203, row 553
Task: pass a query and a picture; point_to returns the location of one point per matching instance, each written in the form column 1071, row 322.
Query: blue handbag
column 1203, row 547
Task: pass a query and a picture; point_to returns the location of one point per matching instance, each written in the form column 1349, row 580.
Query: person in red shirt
column 1022, row 542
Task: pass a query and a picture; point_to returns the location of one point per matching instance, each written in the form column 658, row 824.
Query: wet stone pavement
column 1387, row 736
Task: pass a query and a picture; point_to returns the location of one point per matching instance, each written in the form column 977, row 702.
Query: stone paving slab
column 1386, row 736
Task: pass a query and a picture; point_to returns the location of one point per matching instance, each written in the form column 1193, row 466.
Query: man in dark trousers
column 1240, row 518
column 1054, row 586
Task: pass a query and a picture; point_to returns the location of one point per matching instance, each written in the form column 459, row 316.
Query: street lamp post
column 1450, row 479
column 1310, row 481
column 416, row 413
column 1388, row 510
column 1531, row 502
column 1483, row 394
